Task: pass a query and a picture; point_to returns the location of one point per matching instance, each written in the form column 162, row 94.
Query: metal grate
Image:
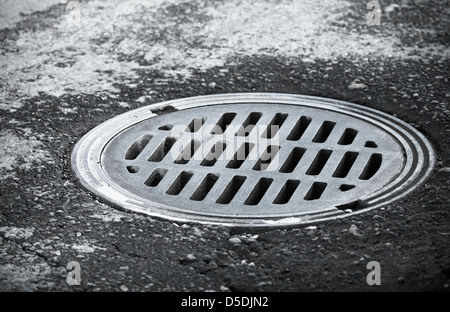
column 258, row 159
column 317, row 144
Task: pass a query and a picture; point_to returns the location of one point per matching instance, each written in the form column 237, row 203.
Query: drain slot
column 180, row 182
column 213, row 155
column 155, row 178
column 316, row 190
column 299, row 128
column 258, row 192
column 162, row 149
column 165, row 128
column 292, row 160
column 274, row 126
column 133, row 169
column 223, row 123
column 137, row 147
column 266, row 158
column 187, row 153
column 346, row 187
column 286, row 192
column 372, row 167
column 345, row 165
column 240, row 156
column 324, row 132
column 231, row 190
column 248, row 125
column 195, row 124
column 348, row 137
column 319, row 162
column 370, row 144
column 205, row 186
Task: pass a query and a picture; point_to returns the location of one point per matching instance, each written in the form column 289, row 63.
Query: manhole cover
column 252, row 159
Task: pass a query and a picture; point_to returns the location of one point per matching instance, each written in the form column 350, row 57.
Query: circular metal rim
column 86, row 155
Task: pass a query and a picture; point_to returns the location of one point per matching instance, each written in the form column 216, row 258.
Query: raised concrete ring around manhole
column 252, row 159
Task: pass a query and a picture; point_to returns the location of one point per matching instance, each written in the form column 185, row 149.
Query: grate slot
column 324, row 132
column 299, row 128
column 205, row 186
column 187, row 153
column 315, row 191
column 266, row 158
column 319, row 162
column 195, row 124
column 213, row 155
column 165, row 128
column 162, row 149
column 274, row 125
column 372, row 167
column 240, row 156
column 371, row 144
column 286, row 192
column 348, row 136
column 155, row 177
column 133, row 169
column 292, row 160
column 179, row 183
column 137, row 147
column 231, row 190
column 346, row 187
column 258, row 191
column 248, row 124
column 223, row 123
column 345, row 165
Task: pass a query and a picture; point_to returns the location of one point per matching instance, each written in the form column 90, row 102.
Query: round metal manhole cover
column 252, row 160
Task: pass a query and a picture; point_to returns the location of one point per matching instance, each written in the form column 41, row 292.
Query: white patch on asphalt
column 85, row 248
column 13, row 11
column 12, row 107
column 93, row 53
column 22, row 152
column 109, row 217
column 16, row 232
column 305, row 29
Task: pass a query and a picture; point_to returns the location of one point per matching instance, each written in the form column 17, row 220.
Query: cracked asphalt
column 67, row 67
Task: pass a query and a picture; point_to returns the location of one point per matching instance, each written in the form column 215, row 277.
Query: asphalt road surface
column 67, row 67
